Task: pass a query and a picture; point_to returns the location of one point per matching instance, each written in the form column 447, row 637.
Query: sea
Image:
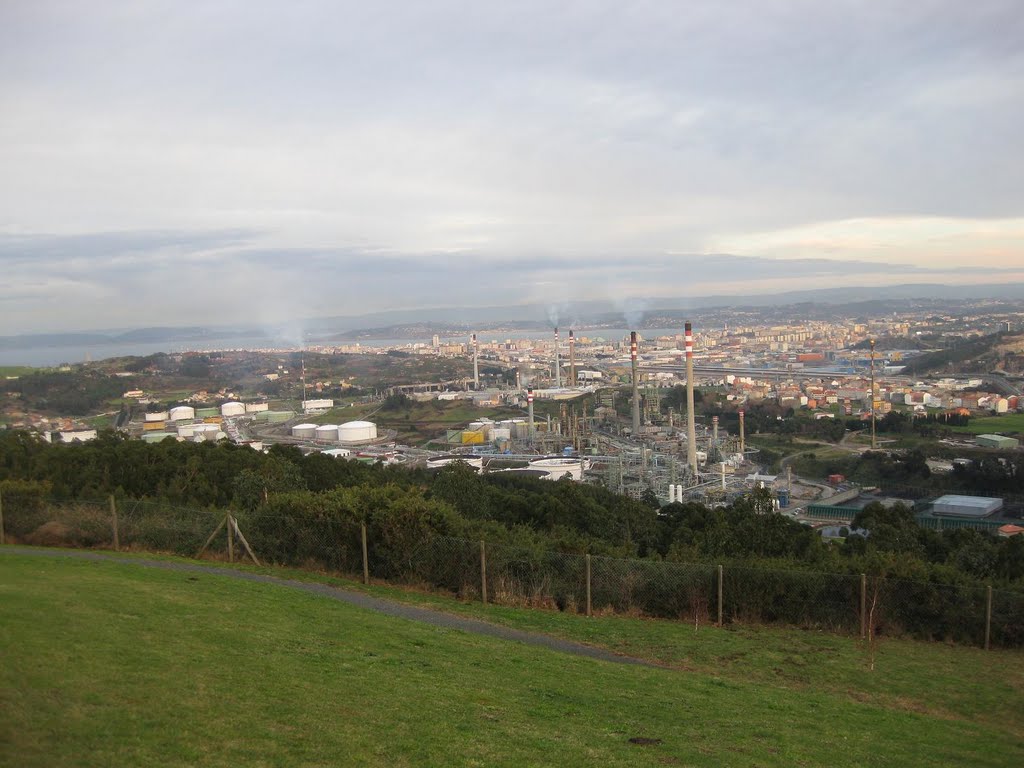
column 41, row 356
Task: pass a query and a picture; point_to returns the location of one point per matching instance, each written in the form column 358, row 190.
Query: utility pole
column 873, row 444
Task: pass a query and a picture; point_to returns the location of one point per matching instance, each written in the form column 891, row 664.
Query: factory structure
column 583, row 436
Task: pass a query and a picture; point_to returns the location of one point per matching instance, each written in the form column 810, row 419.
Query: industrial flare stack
column 572, row 359
column 529, row 410
column 636, row 382
column 558, row 363
column 743, row 441
column 476, row 363
column 691, row 423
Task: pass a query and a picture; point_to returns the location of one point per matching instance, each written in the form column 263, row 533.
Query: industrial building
column 966, row 506
column 997, row 441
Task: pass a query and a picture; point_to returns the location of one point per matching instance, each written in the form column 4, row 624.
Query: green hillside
column 114, row 665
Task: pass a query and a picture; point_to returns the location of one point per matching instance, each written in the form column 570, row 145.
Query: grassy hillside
column 1011, row 422
column 109, row 664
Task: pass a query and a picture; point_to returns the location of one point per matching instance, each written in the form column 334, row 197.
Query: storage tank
column 327, row 432
column 157, row 416
column 304, row 431
column 356, row 431
column 443, row 460
column 256, row 407
column 501, row 434
column 182, row 412
column 232, row 409
column 186, row 430
column 558, row 466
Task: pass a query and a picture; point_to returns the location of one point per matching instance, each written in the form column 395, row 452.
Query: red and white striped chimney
column 691, row 419
column 636, row 382
column 558, row 362
column 572, row 358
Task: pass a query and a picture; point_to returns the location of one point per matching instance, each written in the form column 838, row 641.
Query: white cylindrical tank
column 182, row 412
column 256, row 407
column 232, row 409
column 500, row 433
column 305, row 431
column 557, row 467
column 443, row 460
column 1002, row 405
column 327, row 432
column 186, row 430
column 356, row 431
column 158, row 416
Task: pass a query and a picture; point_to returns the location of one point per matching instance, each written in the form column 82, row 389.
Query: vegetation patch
column 112, row 665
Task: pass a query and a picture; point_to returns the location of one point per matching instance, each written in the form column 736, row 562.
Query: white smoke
column 633, row 311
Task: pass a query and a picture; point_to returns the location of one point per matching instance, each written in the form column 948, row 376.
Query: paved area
column 359, row 599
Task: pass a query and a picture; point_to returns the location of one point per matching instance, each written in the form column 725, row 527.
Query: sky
column 244, row 161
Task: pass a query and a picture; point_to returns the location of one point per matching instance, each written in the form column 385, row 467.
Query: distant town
column 825, row 413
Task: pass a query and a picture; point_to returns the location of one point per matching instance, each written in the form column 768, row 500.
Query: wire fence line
column 529, row 576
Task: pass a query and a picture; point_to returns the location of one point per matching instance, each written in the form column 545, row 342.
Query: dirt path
column 359, row 599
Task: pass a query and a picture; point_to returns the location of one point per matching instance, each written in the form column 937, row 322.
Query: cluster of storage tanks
column 499, row 432
column 187, row 412
column 349, row 432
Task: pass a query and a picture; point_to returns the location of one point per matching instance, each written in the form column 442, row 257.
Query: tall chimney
column 691, row 423
column 529, row 409
column 636, row 382
column 476, row 363
column 743, row 439
column 572, row 358
column 714, row 428
column 558, row 362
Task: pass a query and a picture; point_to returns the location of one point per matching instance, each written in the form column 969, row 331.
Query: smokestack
column 714, row 428
column 558, row 362
column 671, row 493
column 529, row 409
column 691, row 423
column 743, row 439
column 636, row 382
column 723, row 475
column 476, row 363
column 572, row 359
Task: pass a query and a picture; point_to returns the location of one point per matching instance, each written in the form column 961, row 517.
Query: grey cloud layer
column 357, row 152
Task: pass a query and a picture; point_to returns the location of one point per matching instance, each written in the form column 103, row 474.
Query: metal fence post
column 113, row 519
column 988, row 615
column 863, row 605
column 483, row 571
column 366, row 557
column 588, row 585
column 719, row 595
column 2, row 539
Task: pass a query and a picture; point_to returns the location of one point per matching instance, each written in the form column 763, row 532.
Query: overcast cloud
column 234, row 161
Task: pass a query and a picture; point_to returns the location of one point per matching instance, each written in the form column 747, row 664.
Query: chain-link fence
column 530, row 576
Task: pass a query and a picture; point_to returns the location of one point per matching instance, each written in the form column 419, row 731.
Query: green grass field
column 108, row 664
column 15, row 370
column 1011, row 422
